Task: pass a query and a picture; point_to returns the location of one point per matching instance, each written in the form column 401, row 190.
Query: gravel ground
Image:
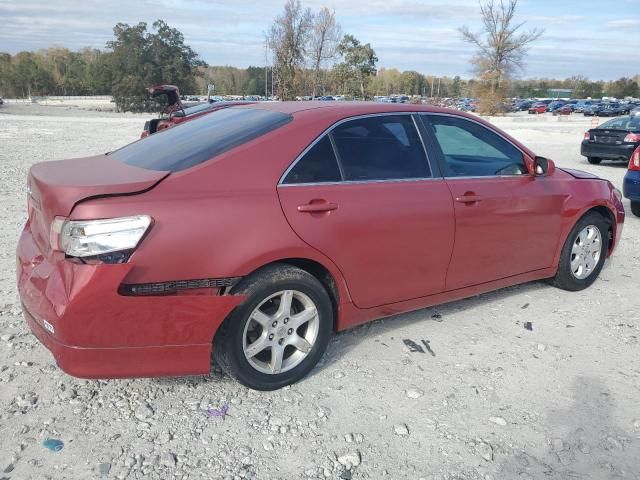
column 490, row 400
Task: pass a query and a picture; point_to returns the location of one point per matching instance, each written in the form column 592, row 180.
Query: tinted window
column 380, row 148
column 471, row 150
column 631, row 124
column 317, row 165
column 199, row 140
column 617, row 123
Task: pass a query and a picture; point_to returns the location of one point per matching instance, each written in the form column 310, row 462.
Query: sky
column 594, row 38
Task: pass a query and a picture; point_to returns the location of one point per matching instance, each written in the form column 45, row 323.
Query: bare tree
column 501, row 46
column 288, row 40
column 325, row 37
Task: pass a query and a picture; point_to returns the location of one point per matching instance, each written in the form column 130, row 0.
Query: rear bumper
column 610, row 152
column 92, row 331
column 631, row 185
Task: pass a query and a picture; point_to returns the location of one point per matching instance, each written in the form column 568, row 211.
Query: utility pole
column 438, row 94
column 433, row 80
column 266, row 68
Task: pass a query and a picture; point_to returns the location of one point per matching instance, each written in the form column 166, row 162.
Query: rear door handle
column 318, row 206
column 468, row 198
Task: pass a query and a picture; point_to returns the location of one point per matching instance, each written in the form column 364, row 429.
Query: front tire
column 594, row 160
column 635, row 208
column 279, row 333
column 583, row 253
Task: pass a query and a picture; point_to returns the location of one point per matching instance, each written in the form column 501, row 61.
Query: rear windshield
column 630, row 124
column 199, row 140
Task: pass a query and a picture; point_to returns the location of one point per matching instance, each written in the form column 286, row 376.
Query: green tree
column 139, row 59
column 357, row 67
column 623, row 87
column 412, row 82
column 30, row 78
column 456, row 87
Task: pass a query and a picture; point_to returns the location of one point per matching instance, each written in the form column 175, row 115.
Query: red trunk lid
column 56, row 187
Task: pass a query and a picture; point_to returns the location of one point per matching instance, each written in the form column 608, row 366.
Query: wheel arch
column 322, row 273
column 609, row 217
column 602, row 210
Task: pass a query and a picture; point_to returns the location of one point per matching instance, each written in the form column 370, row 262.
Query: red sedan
column 255, row 232
column 538, row 108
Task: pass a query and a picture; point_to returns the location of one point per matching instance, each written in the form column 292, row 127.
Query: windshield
column 199, row 140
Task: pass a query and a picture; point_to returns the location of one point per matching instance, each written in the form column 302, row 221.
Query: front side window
column 384, row 147
column 472, row 150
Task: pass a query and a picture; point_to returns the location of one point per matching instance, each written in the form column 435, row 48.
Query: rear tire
column 580, row 261
column 635, row 208
column 594, row 160
column 264, row 343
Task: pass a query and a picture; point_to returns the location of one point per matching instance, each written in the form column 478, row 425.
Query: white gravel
column 495, row 402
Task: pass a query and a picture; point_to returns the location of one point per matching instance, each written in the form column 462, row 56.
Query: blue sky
column 595, row 38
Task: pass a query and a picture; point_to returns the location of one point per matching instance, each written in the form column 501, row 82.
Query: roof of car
column 346, row 108
column 330, row 112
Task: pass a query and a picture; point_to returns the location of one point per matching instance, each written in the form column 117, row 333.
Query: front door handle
column 468, row 198
column 318, row 206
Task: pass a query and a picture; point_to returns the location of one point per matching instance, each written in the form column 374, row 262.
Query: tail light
column 587, row 136
column 634, row 162
column 632, row 138
column 110, row 240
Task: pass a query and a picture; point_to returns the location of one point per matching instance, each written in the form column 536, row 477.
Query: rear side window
column 199, row 140
column 384, row 147
column 319, row 164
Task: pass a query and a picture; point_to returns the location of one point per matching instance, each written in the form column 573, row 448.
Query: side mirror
column 543, row 166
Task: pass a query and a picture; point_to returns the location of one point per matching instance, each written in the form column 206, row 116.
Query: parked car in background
column 581, row 105
column 610, row 110
column 591, row 110
column 175, row 112
column 628, row 107
column 631, row 182
column 555, row 105
column 538, row 107
column 254, row 232
column 613, row 140
column 524, row 105
column 566, row 109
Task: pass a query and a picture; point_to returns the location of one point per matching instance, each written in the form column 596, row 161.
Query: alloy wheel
column 280, row 332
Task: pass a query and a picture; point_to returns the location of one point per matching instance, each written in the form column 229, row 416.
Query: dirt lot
column 493, row 401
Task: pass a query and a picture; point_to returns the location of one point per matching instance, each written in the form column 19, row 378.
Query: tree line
column 136, row 58
column 391, row 81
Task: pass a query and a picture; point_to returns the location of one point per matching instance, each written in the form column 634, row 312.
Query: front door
column 507, row 221
column 374, row 209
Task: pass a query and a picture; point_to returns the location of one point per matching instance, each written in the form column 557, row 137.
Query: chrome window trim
column 328, row 131
column 524, row 155
column 356, row 182
column 478, row 177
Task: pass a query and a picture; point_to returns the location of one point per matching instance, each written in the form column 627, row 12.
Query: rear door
column 365, row 195
column 507, row 221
